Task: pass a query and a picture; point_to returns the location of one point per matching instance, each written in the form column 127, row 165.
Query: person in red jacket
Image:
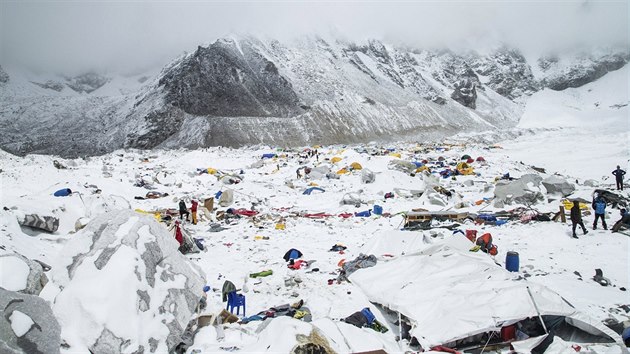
column 178, row 233
column 193, row 209
column 485, row 242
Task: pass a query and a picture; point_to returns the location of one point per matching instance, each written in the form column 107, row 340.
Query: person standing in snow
column 619, row 177
column 183, row 210
column 576, row 218
column 599, row 205
column 193, row 209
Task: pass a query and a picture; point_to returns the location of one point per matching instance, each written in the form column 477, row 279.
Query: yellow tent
column 156, row 215
column 356, row 166
column 569, row 204
column 342, row 171
column 422, row 168
column 465, row 169
column 395, row 154
column 335, row 159
column 211, row 171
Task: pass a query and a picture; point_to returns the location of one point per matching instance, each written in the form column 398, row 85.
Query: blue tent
column 269, row 156
column 309, row 190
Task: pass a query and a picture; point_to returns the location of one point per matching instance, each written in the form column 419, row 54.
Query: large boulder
column 558, row 185
column 27, row 325
column 125, row 287
column 21, row 274
column 525, row 190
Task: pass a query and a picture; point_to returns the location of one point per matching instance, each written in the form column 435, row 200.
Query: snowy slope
column 245, row 90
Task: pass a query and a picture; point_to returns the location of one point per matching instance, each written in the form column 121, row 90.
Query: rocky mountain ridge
column 246, row 90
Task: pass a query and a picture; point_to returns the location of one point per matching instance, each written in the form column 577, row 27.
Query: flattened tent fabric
column 308, row 191
column 446, row 293
column 335, row 159
column 269, row 156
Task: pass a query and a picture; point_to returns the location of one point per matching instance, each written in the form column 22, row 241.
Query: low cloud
column 75, row 36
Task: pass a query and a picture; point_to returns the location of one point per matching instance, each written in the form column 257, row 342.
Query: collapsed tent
column 525, row 190
column 557, row 185
column 402, row 165
column 310, row 190
column 449, row 294
column 367, row 176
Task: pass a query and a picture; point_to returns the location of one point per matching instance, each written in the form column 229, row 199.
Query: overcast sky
column 124, row 35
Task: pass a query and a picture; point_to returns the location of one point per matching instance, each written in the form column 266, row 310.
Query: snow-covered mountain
column 246, row 90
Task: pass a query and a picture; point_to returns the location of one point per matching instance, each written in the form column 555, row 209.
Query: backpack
column 369, row 316
column 600, row 207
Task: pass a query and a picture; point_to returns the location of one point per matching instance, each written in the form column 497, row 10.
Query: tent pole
column 537, row 311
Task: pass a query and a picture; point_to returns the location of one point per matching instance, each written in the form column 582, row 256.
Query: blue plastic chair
column 236, row 300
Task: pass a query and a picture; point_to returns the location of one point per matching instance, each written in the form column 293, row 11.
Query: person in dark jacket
column 183, row 210
column 599, row 205
column 619, row 177
column 576, row 218
column 622, row 223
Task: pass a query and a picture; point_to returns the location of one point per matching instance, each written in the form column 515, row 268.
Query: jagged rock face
column 245, row 91
column 157, row 288
column 508, row 73
column 4, row 77
column 465, row 93
column 50, row 85
column 27, row 325
column 229, row 80
column 586, row 68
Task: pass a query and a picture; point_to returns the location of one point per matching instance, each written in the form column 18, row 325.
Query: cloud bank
column 80, row 35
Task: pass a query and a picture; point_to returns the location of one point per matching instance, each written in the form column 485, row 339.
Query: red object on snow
column 245, row 212
column 297, row 264
column 441, row 348
column 470, row 160
column 346, row 215
column 317, row 215
column 480, row 159
column 178, row 234
column 471, row 235
column 508, row 333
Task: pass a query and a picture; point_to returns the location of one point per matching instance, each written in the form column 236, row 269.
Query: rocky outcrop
column 157, row 288
column 508, row 73
column 465, row 93
column 229, row 79
column 24, row 275
column 27, row 325
column 583, row 69
column 4, row 77
column 86, row 82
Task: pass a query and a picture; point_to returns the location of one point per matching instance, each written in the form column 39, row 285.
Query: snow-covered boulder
column 21, row 274
column 525, row 190
column 27, row 325
column 558, row 185
column 125, row 287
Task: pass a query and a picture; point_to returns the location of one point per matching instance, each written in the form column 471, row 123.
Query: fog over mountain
column 73, row 37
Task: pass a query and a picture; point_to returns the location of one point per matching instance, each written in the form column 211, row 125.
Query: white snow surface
column 549, row 257
column 20, row 323
column 14, row 273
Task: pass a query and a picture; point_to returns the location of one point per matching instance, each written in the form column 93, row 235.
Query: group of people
column 599, row 206
column 183, row 211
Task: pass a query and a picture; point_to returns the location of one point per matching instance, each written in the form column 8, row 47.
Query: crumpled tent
column 351, row 199
column 450, row 294
column 402, row 165
column 227, row 198
column 525, row 190
column 319, row 172
column 558, row 185
column 367, row 176
column 335, row 159
column 310, row 190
